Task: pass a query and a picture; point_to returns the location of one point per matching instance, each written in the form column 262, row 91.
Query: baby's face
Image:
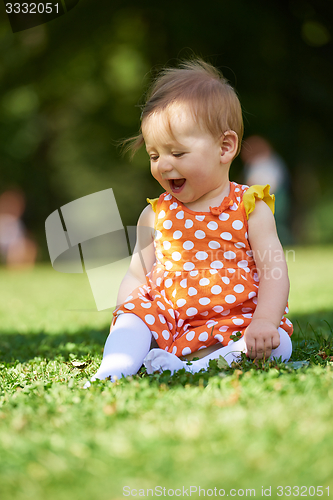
column 184, row 158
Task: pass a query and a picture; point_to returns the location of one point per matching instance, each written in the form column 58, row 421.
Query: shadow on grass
column 23, row 347
column 87, row 342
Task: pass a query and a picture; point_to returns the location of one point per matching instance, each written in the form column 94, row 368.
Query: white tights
column 128, row 347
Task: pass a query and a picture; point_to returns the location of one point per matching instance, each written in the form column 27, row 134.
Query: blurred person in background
column 262, row 165
column 17, row 249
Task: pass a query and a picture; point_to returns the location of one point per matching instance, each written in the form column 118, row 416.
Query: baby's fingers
column 263, row 349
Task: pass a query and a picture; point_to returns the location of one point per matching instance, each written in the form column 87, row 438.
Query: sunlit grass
column 248, row 427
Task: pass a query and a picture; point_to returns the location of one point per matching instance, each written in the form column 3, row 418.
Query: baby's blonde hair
column 204, row 89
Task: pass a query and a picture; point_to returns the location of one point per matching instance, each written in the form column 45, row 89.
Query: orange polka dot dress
column 203, row 286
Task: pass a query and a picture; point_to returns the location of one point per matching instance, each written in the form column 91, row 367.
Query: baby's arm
column 143, row 256
column 262, row 334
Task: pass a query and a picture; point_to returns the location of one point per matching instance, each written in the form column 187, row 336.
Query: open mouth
column 177, row 185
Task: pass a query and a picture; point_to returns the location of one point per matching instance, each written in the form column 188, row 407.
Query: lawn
column 252, row 430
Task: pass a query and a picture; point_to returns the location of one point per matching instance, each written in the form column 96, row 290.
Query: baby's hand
column 261, row 336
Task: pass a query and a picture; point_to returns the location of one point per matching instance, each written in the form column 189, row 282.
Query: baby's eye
column 178, row 155
column 153, row 157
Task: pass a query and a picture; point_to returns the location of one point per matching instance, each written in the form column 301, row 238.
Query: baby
column 208, row 276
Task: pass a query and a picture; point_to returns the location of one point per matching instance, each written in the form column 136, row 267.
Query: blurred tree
column 70, row 89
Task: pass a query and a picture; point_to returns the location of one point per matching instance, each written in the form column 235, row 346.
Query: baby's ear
column 229, row 145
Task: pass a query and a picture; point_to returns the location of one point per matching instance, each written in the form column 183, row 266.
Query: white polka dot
column 176, row 256
column 168, row 283
column 213, row 271
column 172, row 313
column 181, row 302
column 188, row 223
column 247, row 315
column 161, row 305
column 205, row 313
column 256, row 277
column 246, row 309
column 165, row 334
column 174, row 349
column 214, row 245
column 216, row 264
column 167, row 245
column 167, row 197
column 180, row 215
column 230, row 299
column 229, row 255
column 167, row 224
column 204, row 282
column 216, row 289
column 242, row 264
column 234, row 207
column 191, row 311
column 223, row 329
column 177, row 235
column 183, row 283
column 200, row 218
column 204, row 301
column 192, row 291
column 238, row 321
column 239, row 288
column 162, row 319
column 158, row 281
column 173, row 205
column 224, row 217
column 219, row 337
column 212, row 225
column 190, row 336
column 218, row 309
column 249, row 253
column 239, row 244
column 194, row 273
column 188, row 245
column 225, row 280
column 129, row 306
column 203, row 336
column 226, row 236
column 199, row 234
column 186, row 350
column 237, row 224
column 188, row 266
column 150, row 319
column 146, row 305
column 157, row 234
column 252, row 294
column 161, row 214
column 211, row 323
column 168, row 265
column 201, row 255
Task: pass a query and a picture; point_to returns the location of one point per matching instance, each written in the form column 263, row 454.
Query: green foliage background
column 70, row 90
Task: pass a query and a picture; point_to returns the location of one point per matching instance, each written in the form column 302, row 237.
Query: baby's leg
column 125, row 348
column 157, row 359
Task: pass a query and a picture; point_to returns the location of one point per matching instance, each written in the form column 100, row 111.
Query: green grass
column 246, row 427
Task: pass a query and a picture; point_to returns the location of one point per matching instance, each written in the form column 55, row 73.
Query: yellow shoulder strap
column 153, row 203
column 257, row 192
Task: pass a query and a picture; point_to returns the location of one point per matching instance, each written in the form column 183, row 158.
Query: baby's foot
column 160, row 360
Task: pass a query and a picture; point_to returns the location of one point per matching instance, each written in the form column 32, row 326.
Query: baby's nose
column 165, row 165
